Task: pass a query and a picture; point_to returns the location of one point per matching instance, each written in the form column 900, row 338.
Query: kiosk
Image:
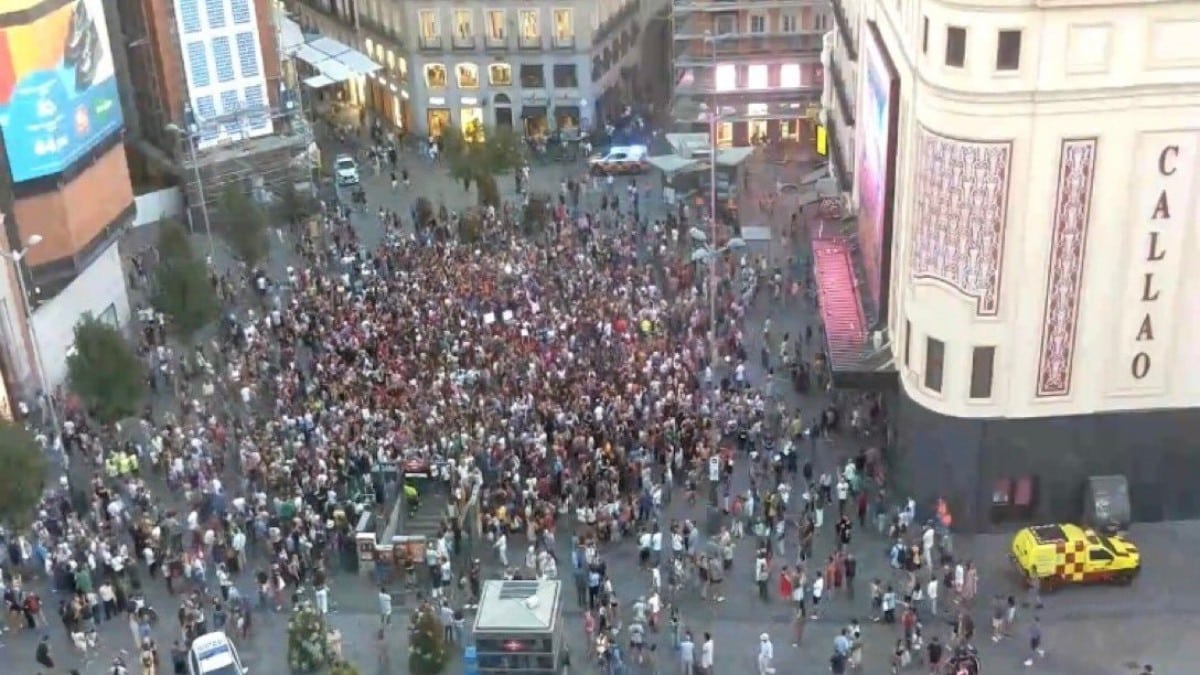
column 518, row 628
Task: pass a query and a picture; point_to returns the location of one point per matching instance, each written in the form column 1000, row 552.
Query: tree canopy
column 23, row 469
column 182, row 289
column 244, row 226
column 476, row 155
column 105, row 373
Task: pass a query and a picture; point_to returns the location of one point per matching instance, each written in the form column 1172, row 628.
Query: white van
column 213, row 654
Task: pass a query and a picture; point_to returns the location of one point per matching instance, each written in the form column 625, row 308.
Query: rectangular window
column 756, row 77
column 247, row 54
column 500, row 74
column 256, row 104
column 215, row 10
column 925, row 35
column 983, row 360
column 198, row 64
column 726, row 24
column 564, row 26
column 758, row 23
column 240, row 10
column 564, row 75
column 495, row 25
column 429, row 24
column 935, row 356
column 222, row 59
column 533, row 76
column 821, row 22
column 435, row 76
column 189, row 13
column 1008, row 50
column 787, row 23
column 468, row 75
column 206, row 110
column 462, row 24
column 530, row 28
column 229, row 102
column 907, row 342
column 956, row 46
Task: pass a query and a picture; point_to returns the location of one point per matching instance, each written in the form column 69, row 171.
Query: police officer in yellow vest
column 129, row 463
column 112, row 465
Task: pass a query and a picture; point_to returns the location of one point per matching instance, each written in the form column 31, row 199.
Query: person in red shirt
column 785, row 584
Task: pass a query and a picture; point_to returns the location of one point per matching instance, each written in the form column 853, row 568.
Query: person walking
column 687, row 655
column 385, row 606
column 42, row 653
column 707, row 654
column 1035, row 642
column 766, row 655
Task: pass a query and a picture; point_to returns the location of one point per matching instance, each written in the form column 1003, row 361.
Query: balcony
column 845, row 33
column 530, row 42
column 750, row 46
column 431, row 43
column 564, row 41
column 845, row 100
column 463, row 42
column 614, row 22
column 689, row 6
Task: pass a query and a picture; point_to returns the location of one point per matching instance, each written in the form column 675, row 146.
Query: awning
column 733, row 156
column 318, row 81
column 531, row 111
column 566, row 111
column 671, row 164
column 334, row 60
column 290, row 34
column 853, row 361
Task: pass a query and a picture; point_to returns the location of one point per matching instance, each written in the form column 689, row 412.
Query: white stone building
column 1025, row 180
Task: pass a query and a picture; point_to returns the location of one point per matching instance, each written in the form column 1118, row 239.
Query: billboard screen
column 875, row 164
column 58, row 93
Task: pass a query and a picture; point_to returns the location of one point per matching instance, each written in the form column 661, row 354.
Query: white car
column 346, row 169
column 213, row 654
column 626, row 159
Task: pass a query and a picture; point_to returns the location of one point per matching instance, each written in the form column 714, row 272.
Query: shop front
column 437, row 116
column 386, row 102
column 566, row 119
column 502, row 105
column 535, row 120
column 470, row 116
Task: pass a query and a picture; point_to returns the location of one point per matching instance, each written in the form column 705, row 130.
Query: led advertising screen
column 58, row 93
column 875, row 164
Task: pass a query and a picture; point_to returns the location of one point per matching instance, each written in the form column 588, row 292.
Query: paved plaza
column 1088, row 631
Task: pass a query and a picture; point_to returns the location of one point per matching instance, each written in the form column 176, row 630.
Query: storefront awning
column 334, row 60
column 290, row 34
column 318, row 81
column 566, row 110
column 531, row 111
column 672, row 164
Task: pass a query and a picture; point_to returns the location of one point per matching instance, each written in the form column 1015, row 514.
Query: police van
column 213, row 654
column 620, row 159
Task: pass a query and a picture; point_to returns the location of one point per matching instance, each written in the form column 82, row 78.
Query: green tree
column 476, row 156
column 182, row 289
column 295, row 205
column 103, row 370
column 427, row 653
column 244, row 226
column 307, row 647
column 23, row 469
column 343, row 668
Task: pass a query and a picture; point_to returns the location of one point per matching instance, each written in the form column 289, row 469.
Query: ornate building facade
column 1025, row 174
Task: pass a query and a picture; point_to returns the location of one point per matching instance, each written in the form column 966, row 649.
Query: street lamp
column 16, row 258
column 705, row 252
column 184, row 137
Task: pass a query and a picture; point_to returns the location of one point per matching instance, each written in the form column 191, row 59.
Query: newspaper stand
column 518, row 628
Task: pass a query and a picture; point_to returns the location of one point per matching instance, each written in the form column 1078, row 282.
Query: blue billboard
column 58, row 90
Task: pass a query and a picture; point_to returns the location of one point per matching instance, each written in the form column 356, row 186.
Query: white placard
column 489, row 318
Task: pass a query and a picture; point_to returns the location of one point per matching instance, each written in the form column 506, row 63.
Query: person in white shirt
column 706, row 655
column 687, row 655
column 766, row 655
column 931, row 591
column 818, row 589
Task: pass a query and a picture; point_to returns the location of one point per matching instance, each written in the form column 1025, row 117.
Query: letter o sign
column 1140, row 367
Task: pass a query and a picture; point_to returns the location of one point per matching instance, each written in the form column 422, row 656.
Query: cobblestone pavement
column 1088, row 631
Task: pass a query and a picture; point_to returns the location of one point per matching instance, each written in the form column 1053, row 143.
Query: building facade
column 535, row 67
column 839, row 100
column 758, row 62
column 64, row 185
column 1025, row 185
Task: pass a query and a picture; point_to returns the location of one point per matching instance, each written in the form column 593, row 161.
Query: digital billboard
column 875, row 164
column 58, row 92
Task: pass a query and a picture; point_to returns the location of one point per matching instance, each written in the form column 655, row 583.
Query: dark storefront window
column 983, row 361
column 533, row 76
column 935, row 356
column 564, row 76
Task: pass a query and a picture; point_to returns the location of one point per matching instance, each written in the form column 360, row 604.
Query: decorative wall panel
column 961, row 209
column 1072, row 211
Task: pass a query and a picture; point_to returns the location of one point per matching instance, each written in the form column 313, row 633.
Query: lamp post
column 191, row 145
column 713, row 235
column 16, row 258
column 705, row 252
